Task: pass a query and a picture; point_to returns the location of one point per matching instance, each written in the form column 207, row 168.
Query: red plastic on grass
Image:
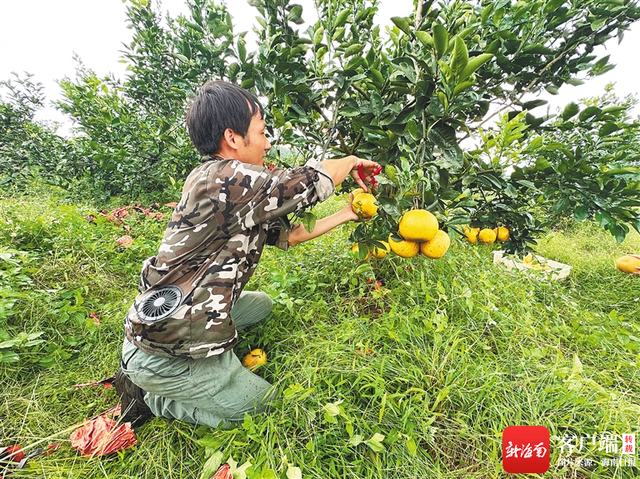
column 102, row 436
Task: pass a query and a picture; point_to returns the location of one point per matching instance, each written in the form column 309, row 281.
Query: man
column 178, row 359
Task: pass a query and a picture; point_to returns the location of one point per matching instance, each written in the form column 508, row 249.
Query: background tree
column 26, row 146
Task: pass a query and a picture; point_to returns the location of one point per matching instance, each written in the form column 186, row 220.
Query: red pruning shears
column 374, row 182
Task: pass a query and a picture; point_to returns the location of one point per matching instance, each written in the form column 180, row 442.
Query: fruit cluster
column 420, row 234
column 486, row 235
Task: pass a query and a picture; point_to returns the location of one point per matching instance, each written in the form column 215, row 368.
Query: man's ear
column 229, row 139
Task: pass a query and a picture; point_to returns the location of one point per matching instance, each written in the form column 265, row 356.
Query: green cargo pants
column 203, row 391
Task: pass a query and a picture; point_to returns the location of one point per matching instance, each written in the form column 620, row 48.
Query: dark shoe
column 134, row 409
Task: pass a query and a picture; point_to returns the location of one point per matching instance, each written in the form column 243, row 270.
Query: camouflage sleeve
column 251, row 195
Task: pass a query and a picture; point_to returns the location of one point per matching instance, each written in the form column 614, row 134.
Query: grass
column 414, row 378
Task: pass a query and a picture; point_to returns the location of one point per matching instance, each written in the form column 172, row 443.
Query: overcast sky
column 41, row 36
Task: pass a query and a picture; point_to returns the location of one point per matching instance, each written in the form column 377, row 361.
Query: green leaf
column 353, row 49
column 308, row 221
column 425, row 38
column 560, row 206
column 211, row 466
column 341, row 19
column 402, row 23
column 376, row 103
column 473, row 64
column 318, row 36
column 460, row 87
column 530, row 105
column 440, row 39
column 412, row 129
column 355, row 440
column 242, row 50
column 608, row 128
column 570, row 110
column 375, row 443
column 580, row 213
column 535, row 143
column 294, row 473
column 460, row 57
column 443, row 136
column 338, row 34
column 598, row 23
column 411, row 446
column 486, row 12
column 589, row 112
column 552, row 6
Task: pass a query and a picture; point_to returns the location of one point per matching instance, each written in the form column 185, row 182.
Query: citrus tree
column 408, row 99
column 445, row 100
column 27, row 146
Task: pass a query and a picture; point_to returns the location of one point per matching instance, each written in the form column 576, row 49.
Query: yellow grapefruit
column 364, row 204
column 356, row 252
column 418, row 225
column 381, row 252
column 437, row 247
column 356, row 192
column 629, row 264
column 502, row 233
column 404, row 248
column 255, row 358
column 471, row 234
column 486, row 236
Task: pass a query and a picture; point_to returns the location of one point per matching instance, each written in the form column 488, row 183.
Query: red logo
column 525, row 449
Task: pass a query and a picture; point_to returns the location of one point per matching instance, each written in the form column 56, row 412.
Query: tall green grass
column 416, row 377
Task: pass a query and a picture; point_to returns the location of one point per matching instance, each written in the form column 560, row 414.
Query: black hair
column 217, row 106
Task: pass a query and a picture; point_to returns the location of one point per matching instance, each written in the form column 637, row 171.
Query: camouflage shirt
column 228, row 211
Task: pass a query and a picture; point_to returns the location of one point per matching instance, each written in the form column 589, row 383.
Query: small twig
column 419, row 13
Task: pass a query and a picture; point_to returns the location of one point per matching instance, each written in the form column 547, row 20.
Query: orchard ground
column 389, row 368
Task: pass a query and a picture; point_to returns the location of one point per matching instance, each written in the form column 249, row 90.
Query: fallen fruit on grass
column 404, row 248
column 471, row 234
column 629, row 264
column 356, row 252
column 381, row 252
column 502, row 233
column 364, row 204
column 487, row 236
column 418, row 225
column 437, row 247
column 255, row 358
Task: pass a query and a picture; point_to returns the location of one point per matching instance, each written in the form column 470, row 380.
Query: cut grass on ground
column 415, row 378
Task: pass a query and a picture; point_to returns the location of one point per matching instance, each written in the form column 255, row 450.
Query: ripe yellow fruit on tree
column 255, row 358
column 356, row 252
column 404, row 248
column 364, row 204
column 629, row 264
column 356, row 192
column 502, row 233
column 471, row 234
column 418, row 225
column 437, row 247
column 381, row 252
column 487, row 236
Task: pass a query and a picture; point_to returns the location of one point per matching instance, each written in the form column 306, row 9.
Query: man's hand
column 368, row 168
column 340, row 168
